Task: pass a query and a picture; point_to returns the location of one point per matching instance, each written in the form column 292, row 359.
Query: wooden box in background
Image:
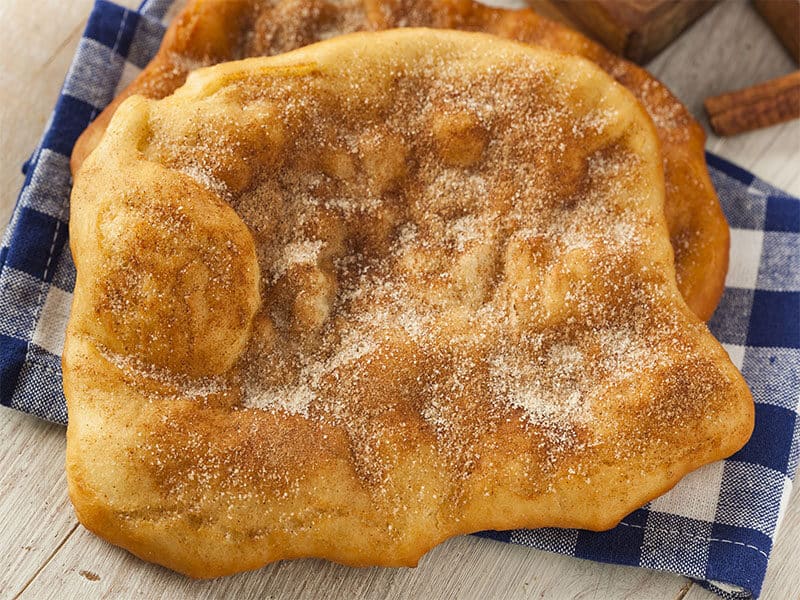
column 783, row 16
column 635, row 29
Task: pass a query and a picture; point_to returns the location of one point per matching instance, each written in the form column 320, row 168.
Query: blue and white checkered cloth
column 716, row 526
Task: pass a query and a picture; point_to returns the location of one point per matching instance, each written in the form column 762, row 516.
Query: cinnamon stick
column 761, row 105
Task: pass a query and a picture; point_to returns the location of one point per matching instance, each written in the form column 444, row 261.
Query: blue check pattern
column 716, row 526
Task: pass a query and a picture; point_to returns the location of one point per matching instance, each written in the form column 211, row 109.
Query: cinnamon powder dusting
column 459, row 262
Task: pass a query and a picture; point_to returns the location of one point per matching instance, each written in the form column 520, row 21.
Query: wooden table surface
column 45, row 553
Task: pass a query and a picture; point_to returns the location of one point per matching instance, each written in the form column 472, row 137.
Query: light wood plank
column 35, row 514
column 772, row 154
column 465, row 567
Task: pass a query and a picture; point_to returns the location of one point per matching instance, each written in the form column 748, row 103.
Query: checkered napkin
column 716, row 526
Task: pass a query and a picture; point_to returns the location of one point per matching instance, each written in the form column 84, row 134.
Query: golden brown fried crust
column 212, row 31
column 350, row 301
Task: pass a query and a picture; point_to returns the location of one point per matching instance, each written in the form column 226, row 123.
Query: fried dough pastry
column 212, row 31
column 352, row 300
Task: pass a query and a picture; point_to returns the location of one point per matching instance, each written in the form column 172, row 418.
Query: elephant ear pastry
column 353, row 300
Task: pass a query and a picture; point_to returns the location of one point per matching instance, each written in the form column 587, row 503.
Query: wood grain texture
column 34, row 510
column 783, row 16
column 35, row 514
column 464, row 567
column 635, row 29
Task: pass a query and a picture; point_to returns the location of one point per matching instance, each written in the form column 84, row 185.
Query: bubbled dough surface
column 353, row 300
column 212, row 31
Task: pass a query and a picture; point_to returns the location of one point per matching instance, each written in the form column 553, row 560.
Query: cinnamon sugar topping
column 464, row 252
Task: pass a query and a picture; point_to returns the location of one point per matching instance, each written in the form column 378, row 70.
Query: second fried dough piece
column 213, row 31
